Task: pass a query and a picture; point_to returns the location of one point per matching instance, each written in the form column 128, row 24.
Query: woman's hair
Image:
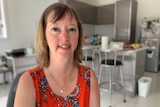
column 42, row 49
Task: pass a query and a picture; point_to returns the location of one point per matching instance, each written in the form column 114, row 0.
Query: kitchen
column 23, row 22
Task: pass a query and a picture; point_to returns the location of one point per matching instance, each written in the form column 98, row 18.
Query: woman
column 59, row 80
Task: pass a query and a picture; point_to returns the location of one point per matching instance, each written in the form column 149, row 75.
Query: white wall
column 22, row 20
column 98, row 2
column 148, row 8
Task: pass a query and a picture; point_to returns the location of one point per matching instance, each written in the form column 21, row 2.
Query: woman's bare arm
column 94, row 91
column 25, row 94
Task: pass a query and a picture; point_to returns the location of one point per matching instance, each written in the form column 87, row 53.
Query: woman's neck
column 61, row 66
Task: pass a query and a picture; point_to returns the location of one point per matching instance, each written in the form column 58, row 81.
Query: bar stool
column 112, row 63
column 89, row 58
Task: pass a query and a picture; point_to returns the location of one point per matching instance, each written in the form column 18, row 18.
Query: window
column 3, row 32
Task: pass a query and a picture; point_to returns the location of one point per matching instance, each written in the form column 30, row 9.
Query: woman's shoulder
column 35, row 70
column 83, row 67
column 86, row 70
column 26, row 74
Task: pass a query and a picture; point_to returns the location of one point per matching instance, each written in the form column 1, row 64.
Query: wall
column 88, row 29
column 148, row 8
column 22, row 20
column 98, row 2
column 103, row 30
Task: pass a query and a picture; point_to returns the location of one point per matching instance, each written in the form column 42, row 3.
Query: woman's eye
column 72, row 29
column 55, row 29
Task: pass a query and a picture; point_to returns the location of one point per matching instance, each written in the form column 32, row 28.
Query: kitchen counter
column 136, row 50
column 134, row 65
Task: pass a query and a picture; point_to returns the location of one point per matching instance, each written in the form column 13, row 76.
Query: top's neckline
column 72, row 94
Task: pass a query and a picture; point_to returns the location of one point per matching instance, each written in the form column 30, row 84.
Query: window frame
column 3, row 23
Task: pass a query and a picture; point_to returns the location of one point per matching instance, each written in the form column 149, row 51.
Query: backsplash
column 102, row 30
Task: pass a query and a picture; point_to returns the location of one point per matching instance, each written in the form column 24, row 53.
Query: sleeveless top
column 45, row 97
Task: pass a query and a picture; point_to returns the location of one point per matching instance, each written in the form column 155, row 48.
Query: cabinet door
column 105, row 14
column 125, row 21
column 86, row 12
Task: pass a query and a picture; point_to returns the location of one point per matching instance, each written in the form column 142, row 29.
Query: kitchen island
column 134, row 65
column 133, row 68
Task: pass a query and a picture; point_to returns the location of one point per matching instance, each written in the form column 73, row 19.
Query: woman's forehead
column 53, row 16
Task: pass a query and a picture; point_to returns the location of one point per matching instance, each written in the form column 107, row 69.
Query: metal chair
column 12, row 91
column 112, row 62
column 4, row 68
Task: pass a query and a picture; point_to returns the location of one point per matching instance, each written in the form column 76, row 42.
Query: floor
column 152, row 100
column 4, row 89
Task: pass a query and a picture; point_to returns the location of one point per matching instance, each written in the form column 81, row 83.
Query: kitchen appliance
column 150, row 36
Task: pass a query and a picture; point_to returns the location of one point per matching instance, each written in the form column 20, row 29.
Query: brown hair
column 42, row 49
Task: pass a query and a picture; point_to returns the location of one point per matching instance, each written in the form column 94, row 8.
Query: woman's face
column 62, row 36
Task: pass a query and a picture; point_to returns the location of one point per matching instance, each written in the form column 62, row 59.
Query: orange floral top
column 45, row 97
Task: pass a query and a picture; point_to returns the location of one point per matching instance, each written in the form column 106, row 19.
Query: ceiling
column 98, row 2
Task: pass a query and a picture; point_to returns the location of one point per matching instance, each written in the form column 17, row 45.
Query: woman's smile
column 64, row 46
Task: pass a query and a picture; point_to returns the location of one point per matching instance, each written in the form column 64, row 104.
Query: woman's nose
column 64, row 35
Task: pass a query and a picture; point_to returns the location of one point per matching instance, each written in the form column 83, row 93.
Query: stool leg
column 83, row 62
column 122, row 82
column 100, row 72
column 110, row 87
column 4, row 76
column 12, row 75
column 86, row 54
column 99, row 56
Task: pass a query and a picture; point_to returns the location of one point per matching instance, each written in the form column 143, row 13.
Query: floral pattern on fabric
column 45, row 97
column 87, row 76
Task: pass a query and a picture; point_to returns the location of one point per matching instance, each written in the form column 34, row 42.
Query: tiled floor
column 152, row 100
column 4, row 89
